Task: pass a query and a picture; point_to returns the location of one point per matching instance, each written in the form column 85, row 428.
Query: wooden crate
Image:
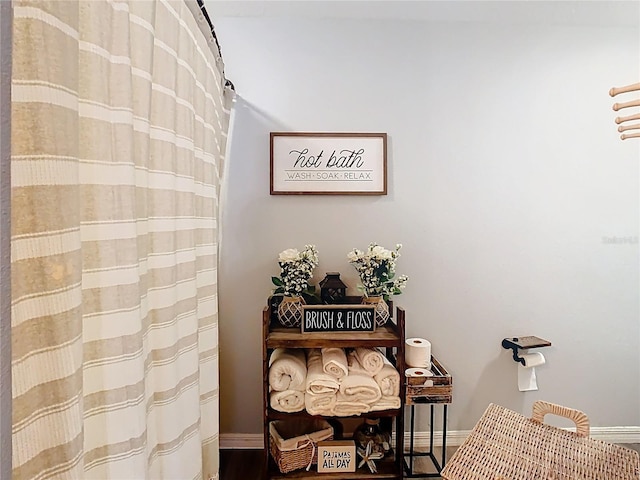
column 436, row 389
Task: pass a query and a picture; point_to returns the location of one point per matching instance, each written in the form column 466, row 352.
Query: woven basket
column 294, row 443
column 508, row 446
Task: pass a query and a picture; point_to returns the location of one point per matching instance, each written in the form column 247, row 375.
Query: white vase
column 290, row 311
column 381, row 311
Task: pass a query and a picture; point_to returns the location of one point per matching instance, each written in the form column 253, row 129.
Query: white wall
column 507, row 182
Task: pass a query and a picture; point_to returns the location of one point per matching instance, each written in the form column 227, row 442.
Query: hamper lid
column 507, row 444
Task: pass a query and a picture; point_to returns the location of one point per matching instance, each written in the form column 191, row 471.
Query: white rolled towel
column 360, row 388
column 321, row 404
column 334, row 362
column 317, row 381
column 386, row 403
column 354, row 366
column 388, row 379
column 371, row 359
column 287, row 401
column 347, row 407
column 287, row 369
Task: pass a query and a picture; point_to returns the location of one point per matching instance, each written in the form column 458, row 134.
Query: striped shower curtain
column 119, row 124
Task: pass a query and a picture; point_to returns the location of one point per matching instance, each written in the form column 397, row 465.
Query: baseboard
column 616, row 434
column 249, row 441
column 241, row 441
column 456, row 437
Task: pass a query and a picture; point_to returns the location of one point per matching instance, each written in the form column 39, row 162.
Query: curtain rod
column 228, row 83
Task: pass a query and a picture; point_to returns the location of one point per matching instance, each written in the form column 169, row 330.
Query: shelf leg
column 444, row 437
column 431, row 432
column 411, row 441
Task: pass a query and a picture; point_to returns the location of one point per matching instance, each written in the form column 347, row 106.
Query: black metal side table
column 432, row 391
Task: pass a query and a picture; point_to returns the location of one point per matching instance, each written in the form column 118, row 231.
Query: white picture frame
column 305, row 163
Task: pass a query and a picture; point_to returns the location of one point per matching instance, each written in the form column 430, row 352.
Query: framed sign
column 338, row 318
column 328, row 163
column 336, row 456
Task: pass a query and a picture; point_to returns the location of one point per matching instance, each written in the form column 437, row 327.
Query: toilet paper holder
column 523, row 343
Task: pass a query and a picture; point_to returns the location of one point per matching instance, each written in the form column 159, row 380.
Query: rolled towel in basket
column 321, row 404
column 317, row 381
column 386, row 403
column 388, row 379
column 371, row 359
column 334, row 362
column 287, row 369
column 360, row 388
column 287, row 401
column 346, row 407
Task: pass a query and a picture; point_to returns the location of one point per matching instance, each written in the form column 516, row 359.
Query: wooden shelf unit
column 391, row 337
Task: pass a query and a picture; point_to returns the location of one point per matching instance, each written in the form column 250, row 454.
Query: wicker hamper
column 505, row 445
column 294, row 443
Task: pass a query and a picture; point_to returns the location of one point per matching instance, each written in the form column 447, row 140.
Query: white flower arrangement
column 376, row 268
column 296, row 268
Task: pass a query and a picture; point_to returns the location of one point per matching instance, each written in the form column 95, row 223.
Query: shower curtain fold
column 119, row 125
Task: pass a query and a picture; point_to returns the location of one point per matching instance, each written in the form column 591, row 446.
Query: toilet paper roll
column 422, row 373
column 418, row 353
column 418, row 372
column 527, row 380
column 533, row 359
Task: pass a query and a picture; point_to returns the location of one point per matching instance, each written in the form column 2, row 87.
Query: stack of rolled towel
column 287, row 377
column 333, row 382
column 322, row 387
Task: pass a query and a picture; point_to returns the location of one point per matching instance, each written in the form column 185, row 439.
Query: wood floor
column 241, row 464
column 247, row 464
